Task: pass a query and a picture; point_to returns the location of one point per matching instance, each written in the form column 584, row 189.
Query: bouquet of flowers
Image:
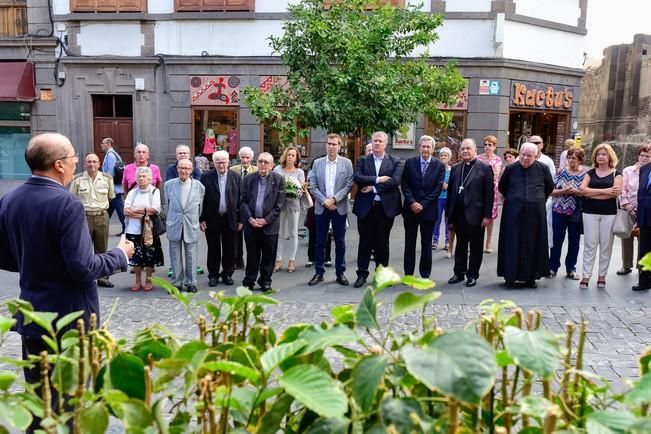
column 293, row 188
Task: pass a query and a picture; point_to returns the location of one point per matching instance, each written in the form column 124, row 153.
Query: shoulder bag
column 624, row 223
column 159, row 221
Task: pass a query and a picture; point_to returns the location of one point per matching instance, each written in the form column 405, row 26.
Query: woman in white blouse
column 140, row 201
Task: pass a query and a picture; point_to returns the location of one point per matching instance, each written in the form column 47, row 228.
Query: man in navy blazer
column 422, row 182
column 261, row 198
column 644, row 223
column 377, row 203
column 44, row 236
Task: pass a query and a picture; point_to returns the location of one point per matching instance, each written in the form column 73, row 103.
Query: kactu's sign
column 405, row 138
column 215, row 90
column 541, row 96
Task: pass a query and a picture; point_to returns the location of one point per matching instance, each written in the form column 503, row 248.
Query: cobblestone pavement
column 619, row 328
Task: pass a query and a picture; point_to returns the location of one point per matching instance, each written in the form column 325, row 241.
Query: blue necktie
column 424, row 165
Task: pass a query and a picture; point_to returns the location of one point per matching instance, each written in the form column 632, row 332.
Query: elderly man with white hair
column 182, row 153
column 220, row 218
column 245, row 168
column 523, row 248
column 141, row 159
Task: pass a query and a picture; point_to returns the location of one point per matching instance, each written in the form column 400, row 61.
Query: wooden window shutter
column 108, row 5
column 83, row 5
column 214, row 5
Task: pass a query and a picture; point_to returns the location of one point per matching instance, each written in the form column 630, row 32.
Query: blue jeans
column 437, row 225
column 560, row 224
column 117, row 205
column 323, row 222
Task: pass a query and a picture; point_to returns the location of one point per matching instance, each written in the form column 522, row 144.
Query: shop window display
column 271, row 143
column 448, row 135
column 14, row 136
column 216, row 130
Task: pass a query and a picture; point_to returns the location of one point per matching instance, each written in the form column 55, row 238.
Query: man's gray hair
column 181, row 146
column 471, row 141
column 266, row 156
column 426, row 138
column 531, row 146
column 144, row 170
column 384, row 135
column 246, row 150
column 220, row 153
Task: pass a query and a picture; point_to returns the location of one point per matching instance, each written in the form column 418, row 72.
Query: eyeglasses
column 74, row 157
column 264, row 162
column 536, row 143
column 489, row 144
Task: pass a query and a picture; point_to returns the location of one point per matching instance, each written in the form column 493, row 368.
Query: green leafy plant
column 353, row 374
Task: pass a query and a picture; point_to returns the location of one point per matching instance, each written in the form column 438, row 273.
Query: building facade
column 617, row 94
column 167, row 72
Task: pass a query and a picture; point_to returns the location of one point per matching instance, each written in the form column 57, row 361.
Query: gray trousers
column 183, row 257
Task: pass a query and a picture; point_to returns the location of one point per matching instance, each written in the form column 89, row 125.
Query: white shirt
column 378, row 163
column 549, row 163
column 330, row 176
column 185, row 190
column 138, row 198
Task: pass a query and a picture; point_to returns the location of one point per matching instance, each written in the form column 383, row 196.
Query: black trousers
column 374, row 231
column 260, row 255
column 221, row 247
column 239, row 249
column 311, row 245
column 412, row 223
column 473, row 236
column 644, row 247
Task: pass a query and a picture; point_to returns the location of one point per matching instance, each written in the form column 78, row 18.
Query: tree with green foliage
column 354, row 70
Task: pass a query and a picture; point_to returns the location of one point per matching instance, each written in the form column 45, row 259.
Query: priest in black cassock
column 523, row 249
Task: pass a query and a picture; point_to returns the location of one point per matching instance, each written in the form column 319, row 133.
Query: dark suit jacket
column 644, row 198
column 478, row 193
column 423, row 188
column 274, row 200
column 44, row 237
column 210, row 209
column 389, row 191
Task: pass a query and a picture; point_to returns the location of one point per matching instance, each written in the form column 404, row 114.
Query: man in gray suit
column 184, row 197
column 330, row 180
column 262, row 198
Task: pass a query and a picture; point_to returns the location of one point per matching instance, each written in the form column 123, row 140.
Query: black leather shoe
column 239, row 266
column 623, row 271
column 455, row 279
column 249, row 285
column 510, row 284
column 531, row 284
column 105, row 283
column 228, row 280
column 640, row 287
column 341, row 279
column 191, row 289
column 471, row 282
column 265, row 288
column 315, row 280
column 359, row 282
column 212, row 281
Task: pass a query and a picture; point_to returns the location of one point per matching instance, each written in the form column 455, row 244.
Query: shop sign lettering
column 540, row 96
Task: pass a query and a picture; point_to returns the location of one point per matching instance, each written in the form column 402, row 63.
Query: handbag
column 624, row 223
column 306, row 200
column 147, row 231
column 159, row 221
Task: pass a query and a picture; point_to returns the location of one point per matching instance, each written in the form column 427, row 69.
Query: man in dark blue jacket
column 644, row 223
column 377, row 203
column 422, row 182
column 44, row 237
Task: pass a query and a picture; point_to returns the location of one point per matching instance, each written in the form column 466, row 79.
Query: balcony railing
column 13, row 17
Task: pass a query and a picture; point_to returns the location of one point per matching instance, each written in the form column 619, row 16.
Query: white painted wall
column 464, row 38
column 537, row 44
column 468, row 5
column 160, row 6
column 558, row 11
column 227, row 38
column 60, row 7
column 123, row 39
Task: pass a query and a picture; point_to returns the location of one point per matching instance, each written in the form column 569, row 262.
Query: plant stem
column 202, row 328
column 549, row 424
column 453, row 414
column 579, row 362
column 565, row 395
column 147, row 387
column 81, row 379
column 47, row 392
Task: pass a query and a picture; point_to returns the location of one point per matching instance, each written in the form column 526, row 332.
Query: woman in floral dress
column 492, row 159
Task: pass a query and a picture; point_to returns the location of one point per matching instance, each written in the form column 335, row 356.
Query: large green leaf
column 535, row 406
column 397, row 412
column 42, row 319
column 385, row 277
column 328, row 426
column 316, row 390
column 66, row 320
column 135, row 415
column 270, row 422
column 641, row 391
column 537, row 351
column 94, row 419
column 641, row 426
column 609, row 422
column 319, row 339
column 275, row 356
column 6, row 324
column 367, row 376
column 343, row 314
column 66, row 372
column 16, row 415
column 407, row 301
column 418, row 283
column 366, row 311
column 7, row 378
column 125, row 373
column 233, row 368
column 458, row 364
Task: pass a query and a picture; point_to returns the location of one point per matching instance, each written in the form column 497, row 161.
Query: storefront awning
column 17, row 83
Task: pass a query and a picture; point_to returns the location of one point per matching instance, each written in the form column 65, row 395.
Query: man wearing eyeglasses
column 261, row 200
column 44, row 237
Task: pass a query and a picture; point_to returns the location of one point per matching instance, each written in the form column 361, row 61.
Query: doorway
column 113, row 117
column 553, row 127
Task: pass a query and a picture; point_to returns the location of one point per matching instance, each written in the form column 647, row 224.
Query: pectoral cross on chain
column 460, row 189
